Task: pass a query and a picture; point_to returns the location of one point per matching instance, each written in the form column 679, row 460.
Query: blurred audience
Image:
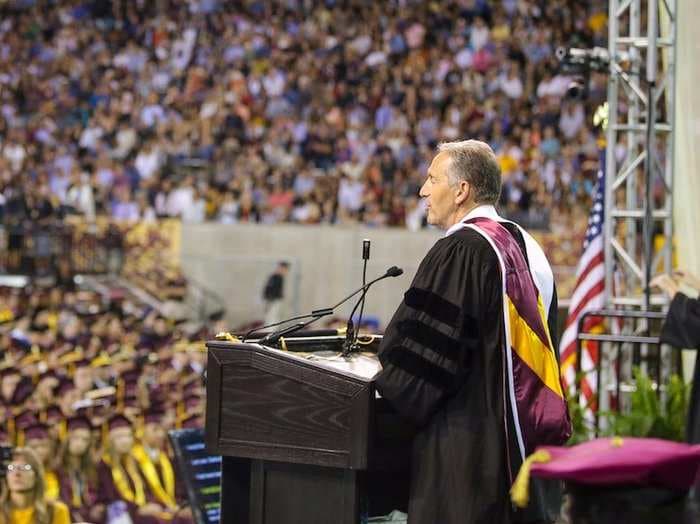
column 297, row 111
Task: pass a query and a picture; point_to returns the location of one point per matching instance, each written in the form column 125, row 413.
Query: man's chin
column 432, row 221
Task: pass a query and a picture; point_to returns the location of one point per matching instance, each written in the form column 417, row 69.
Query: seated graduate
column 77, row 472
column 618, row 480
column 153, row 457
column 37, row 437
column 22, row 497
column 122, row 487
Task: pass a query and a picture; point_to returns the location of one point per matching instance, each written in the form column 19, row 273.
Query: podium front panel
column 264, row 404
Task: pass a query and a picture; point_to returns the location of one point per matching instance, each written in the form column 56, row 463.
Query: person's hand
column 687, row 278
column 97, row 513
column 666, row 284
column 150, row 510
column 185, row 513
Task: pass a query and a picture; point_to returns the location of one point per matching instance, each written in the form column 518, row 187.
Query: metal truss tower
column 641, row 98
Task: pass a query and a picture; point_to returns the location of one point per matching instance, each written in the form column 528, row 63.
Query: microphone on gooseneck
column 393, row 271
column 316, row 314
column 350, row 331
column 365, row 255
column 365, row 258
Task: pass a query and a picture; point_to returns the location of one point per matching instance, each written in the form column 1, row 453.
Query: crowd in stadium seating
column 303, row 111
column 91, row 390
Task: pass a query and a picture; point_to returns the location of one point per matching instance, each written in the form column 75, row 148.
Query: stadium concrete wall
column 326, row 265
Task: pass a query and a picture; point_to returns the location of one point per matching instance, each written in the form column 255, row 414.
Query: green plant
column 582, row 428
column 648, row 416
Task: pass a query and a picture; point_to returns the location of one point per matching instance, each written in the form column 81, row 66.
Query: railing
column 206, row 305
column 635, row 344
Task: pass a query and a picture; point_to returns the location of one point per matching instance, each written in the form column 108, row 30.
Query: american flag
column 588, row 295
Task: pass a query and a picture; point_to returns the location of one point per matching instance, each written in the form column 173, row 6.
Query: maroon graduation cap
column 78, row 422
column 153, row 416
column 619, row 479
column 117, row 421
column 38, row 430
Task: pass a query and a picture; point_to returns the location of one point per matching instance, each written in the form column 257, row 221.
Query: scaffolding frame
column 638, row 197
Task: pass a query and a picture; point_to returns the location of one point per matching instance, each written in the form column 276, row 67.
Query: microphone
column 394, row 271
column 348, row 347
column 317, row 313
column 350, row 333
column 365, row 250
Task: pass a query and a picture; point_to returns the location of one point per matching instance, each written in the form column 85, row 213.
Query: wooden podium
column 304, row 438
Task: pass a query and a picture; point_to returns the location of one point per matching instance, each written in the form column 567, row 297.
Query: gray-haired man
column 469, row 355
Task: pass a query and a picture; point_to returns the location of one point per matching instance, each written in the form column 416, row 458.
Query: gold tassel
column 11, row 429
column 228, row 337
column 520, row 491
column 616, row 442
column 62, row 430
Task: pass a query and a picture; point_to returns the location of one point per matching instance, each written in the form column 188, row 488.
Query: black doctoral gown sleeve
column 681, row 328
column 425, row 353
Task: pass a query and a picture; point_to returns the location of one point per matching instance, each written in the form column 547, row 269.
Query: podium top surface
column 290, row 406
column 362, row 365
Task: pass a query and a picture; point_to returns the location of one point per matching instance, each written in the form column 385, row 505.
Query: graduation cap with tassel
column 619, row 480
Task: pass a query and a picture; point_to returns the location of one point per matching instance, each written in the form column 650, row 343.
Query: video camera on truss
column 579, row 63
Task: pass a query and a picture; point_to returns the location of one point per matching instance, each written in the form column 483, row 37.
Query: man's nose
column 423, row 191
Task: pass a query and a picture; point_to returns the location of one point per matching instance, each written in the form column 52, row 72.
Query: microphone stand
column 351, row 332
column 365, row 258
column 319, row 313
column 275, row 336
column 349, row 344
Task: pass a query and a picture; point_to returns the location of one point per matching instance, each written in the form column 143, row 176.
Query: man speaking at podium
column 469, row 355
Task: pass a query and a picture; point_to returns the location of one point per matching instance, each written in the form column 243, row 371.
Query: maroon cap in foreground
column 617, row 461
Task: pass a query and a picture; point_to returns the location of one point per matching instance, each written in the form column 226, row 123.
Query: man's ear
column 462, row 193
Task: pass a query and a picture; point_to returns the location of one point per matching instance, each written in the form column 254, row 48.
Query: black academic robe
column 443, row 367
column 681, row 329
